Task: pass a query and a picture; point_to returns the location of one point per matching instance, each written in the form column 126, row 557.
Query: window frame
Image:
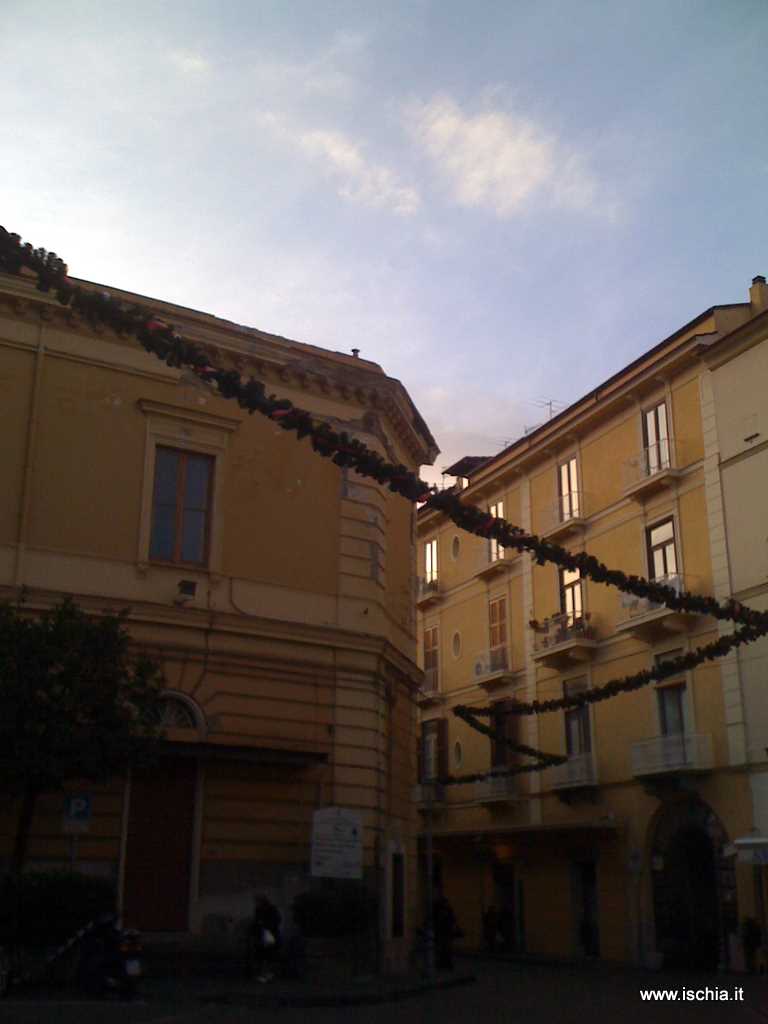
column 178, row 526
column 500, row 623
column 508, row 725
column 662, row 458
column 664, row 547
column 495, row 550
column 569, row 500
column 191, row 430
column 573, row 615
column 432, row 652
column 431, row 566
column 433, row 738
column 579, row 715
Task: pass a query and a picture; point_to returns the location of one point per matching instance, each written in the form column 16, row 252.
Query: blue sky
column 500, row 202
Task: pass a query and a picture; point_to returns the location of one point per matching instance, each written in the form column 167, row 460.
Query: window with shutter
column 505, row 725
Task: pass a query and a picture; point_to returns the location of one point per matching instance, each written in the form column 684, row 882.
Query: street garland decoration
column 159, row 338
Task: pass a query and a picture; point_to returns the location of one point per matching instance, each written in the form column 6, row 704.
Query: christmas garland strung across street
column 159, row 338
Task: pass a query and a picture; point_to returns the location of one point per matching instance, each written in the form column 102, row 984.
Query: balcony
column 650, row 621
column 428, row 796
column 578, row 772
column 562, row 642
column 491, row 668
column 428, row 592
column 491, row 564
column 653, row 468
column 672, row 755
column 429, row 693
column 566, row 516
column 496, row 789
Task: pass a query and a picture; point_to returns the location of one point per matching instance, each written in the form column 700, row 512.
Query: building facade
column 626, row 850
column 274, row 588
column 735, row 416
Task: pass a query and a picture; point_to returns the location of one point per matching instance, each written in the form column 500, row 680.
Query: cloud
column 501, row 162
column 189, row 63
column 361, row 181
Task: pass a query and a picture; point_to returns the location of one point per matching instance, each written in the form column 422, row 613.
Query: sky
column 501, row 202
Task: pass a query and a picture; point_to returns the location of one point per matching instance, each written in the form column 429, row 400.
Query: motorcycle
column 110, row 959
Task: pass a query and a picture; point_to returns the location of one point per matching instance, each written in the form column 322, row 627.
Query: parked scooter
column 110, row 959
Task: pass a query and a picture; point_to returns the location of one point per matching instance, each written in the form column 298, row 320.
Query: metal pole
column 430, row 923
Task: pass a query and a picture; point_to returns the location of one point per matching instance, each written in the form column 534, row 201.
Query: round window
column 458, row 754
column 455, row 547
column 456, row 644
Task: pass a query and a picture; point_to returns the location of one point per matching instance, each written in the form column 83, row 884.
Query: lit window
column 571, row 602
column 656, row 439
column 568, row 483
column 181, row 507
column 662, row 554
column 496, row 551
column 430, row 561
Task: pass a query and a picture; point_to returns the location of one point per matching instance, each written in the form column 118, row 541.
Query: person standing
column 445, row 930
column 265, row 938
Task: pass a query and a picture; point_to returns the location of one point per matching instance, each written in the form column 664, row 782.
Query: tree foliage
column 75, row 702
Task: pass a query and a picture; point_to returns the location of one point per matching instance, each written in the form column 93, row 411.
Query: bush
column 330, row 913
column 44, row 908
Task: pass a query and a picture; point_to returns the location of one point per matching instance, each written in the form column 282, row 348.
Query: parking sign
column 77, row 813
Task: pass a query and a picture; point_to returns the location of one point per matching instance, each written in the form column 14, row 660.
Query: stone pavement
column 505, row 991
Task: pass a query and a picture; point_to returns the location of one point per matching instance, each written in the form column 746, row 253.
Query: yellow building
column 275, row 589
column 735, row 414
column 624, row 851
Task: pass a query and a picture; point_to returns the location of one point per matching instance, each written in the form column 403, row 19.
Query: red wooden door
column 158, row 854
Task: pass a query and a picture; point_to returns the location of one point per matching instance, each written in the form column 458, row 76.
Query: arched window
column 178, row 712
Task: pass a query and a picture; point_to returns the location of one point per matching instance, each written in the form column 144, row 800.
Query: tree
column 75, row 703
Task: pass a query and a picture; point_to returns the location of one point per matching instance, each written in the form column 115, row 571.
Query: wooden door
column 158, row 856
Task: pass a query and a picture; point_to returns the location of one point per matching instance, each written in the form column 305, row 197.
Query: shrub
column 43, row 908
column 332, row 912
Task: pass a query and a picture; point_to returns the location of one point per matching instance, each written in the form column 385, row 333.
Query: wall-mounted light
column 187, row 589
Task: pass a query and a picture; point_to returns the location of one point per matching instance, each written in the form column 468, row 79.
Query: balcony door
column 568, row 483
column 578, row 734
column 497, row 620
column 656, row 438
column 431, row 659
column 662, row 552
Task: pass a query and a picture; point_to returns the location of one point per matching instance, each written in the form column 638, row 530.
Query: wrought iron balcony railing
column 672, row 754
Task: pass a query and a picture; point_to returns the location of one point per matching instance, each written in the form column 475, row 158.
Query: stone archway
column 694, row 886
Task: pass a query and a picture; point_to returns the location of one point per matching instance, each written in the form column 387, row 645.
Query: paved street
column 504, row 992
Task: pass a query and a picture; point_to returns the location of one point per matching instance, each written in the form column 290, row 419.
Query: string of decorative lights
column 159, row 338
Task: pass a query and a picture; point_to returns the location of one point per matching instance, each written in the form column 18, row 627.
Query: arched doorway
column 694, row 886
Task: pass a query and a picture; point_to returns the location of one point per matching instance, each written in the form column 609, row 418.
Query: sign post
column 76, row 820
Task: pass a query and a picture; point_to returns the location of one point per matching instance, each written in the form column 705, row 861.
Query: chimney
column 758, row 294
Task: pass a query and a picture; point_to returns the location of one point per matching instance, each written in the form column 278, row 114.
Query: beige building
column 274, row 588
column 625, row 851
column 736, row 438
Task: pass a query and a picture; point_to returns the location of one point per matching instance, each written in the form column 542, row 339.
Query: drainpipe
column 26, row 487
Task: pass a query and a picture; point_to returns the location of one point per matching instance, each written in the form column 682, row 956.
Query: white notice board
column 337, row 843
